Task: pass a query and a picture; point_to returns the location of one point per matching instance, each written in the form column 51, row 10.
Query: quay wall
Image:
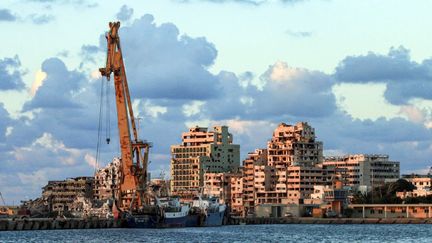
column 53, row 224
column 309, row 220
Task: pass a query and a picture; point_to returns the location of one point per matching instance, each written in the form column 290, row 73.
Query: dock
column 310, row 220
column 56, row 224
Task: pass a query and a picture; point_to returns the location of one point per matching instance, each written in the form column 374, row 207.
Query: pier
column 309, row 220
column 56, row 224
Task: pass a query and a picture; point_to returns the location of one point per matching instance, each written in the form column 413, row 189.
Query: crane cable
column 104, row 110
column 108, row 114
column 99, row 124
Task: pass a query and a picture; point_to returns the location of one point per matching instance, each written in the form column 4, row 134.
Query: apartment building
column 228, row 187
column 294, row 145
column 61, row 194
column 107, row 180
column 363, row 170
column 201, row 151
column 287, row 171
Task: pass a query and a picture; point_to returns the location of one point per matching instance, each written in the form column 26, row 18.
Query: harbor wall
column 53, row 224
column 310, row 220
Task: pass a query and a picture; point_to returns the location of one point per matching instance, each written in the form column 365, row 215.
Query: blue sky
column 358, row 71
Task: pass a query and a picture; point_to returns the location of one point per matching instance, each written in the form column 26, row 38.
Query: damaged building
column 61, row 195
column 106, row 181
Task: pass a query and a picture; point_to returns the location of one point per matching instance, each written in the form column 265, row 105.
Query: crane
column 1, row 197
column 134, row 152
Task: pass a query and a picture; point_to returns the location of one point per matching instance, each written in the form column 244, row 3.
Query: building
column 226, row 186
column 391, row 210
column 422, row 183
column 200, row 152
column 363, row 170
column 61, row 194
column 294, row 145
column 286, row 172
column 106, row 181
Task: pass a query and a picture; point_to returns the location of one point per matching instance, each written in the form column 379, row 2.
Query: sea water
column 237, row 233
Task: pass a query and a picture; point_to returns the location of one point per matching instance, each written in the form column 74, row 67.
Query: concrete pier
column 51, row 224
column 248, row 221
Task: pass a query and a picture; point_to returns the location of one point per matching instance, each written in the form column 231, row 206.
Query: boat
column 167, row 213
column 174, row 213
column 206, row 212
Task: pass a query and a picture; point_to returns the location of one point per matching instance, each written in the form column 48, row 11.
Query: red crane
column 134, row 152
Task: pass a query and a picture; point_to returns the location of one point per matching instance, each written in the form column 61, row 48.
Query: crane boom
column 134, row 153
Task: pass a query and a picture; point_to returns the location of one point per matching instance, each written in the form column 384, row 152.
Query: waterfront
column 237, row 233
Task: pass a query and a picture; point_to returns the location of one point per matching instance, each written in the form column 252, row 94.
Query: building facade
column 200, row 152
column 286, row 171
column 363, row 170
column 106, row 181
column 422, row 183
column 60, row 195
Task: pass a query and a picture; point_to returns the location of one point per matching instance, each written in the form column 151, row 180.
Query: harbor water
column 234, row 233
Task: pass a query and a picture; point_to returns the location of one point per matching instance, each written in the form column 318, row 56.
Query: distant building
column 294, row 145
column 200, row 152
column 363, row 170
column 106, row 181
column 422, row 183
column 61, row 194
column 391, row 210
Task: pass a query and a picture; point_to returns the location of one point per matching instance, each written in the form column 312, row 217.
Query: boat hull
column 174, row 222
column 209, row 220
column 142, row 221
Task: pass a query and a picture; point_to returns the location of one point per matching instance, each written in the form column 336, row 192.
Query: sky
column 359, row 72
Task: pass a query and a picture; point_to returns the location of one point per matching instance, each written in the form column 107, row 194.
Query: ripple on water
column 245, row 233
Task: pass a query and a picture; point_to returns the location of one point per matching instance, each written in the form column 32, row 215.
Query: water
column 245, row 233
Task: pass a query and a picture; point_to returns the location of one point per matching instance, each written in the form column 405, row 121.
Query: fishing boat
column 206, row 212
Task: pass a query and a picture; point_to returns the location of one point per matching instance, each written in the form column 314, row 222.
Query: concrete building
column 422, row 183
column 391, row 210
column 363, row 170
column 294, row 145
column 106, row 181
column 228, row 187
column 200, row 152
column 286, row 172
column 61, row 194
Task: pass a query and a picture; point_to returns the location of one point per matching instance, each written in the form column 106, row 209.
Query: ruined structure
column 285, row 172
column 226, row 186
column 106, row 181
column 294, row 145
column 363, row 171
column 60, row 195
column 201, row 152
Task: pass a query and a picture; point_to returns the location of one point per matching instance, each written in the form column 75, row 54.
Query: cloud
column 85, row 3
column 5, row 122
column 413, row 113
column 247, row 2
column 125, row 13
column 58, row 89
column 299, row 34
column 41, row 19
column 45, row 147
column 162, row 64
column 89, row 53
column 11, row 74
column 6, row 15
column 39, row 78
column 405, row 79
